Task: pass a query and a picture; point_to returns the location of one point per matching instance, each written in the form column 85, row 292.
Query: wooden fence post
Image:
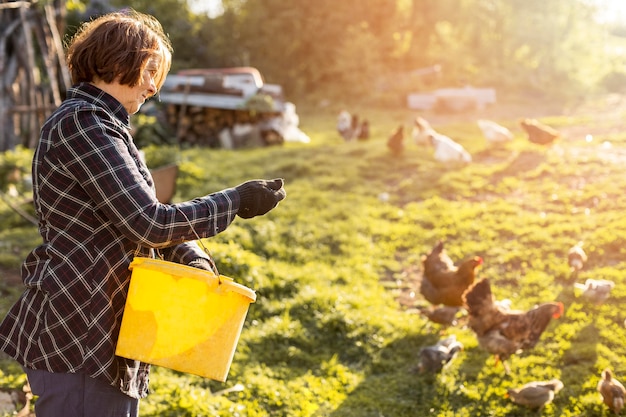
column 33, row 73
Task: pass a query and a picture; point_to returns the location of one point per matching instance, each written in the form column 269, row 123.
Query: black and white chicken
column 576, row 258
column 434, row 358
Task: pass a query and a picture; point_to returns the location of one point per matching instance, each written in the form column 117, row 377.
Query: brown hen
column 395, row 143
column 442, row 281
column 503, row 332
column 538, row 132
column 444, row 315
column 612, row 391
column 437, row 260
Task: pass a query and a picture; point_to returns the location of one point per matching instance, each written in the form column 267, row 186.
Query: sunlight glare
column 212, row 8
column 612, row 10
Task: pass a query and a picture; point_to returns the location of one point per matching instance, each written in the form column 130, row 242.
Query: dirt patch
column 405, row 287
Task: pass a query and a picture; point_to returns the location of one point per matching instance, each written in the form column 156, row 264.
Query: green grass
column 327, row 336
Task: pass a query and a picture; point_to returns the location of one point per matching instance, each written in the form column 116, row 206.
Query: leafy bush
column 150, row 131
column 159, row 156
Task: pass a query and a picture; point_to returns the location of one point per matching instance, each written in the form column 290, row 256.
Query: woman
column 97, row 209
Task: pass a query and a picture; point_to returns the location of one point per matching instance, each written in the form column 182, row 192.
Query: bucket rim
column 189, row 271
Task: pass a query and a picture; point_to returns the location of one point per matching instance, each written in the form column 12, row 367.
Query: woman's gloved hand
column 203, row 263
column 257, row 197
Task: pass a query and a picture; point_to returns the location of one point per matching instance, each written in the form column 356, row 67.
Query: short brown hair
column 117, row 46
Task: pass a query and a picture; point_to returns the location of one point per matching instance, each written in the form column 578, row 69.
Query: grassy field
column 336, row 267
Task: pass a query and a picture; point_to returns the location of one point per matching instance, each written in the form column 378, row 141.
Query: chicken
column 421, row 131
column 437, row 260
column 538, row 132
column 612, row 391
column 442, row 281
column 493, row 132
column 535, row 394
column 595, row 290
column 434, row 358
column 576, row 257
column 447, row 287
column 396, row 141
column 348, row 125
column 446, row 149
column 503, row 332
column 364, row 130
column 344, row 121
column 355, row 127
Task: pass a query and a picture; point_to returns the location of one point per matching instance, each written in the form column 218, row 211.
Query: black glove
column 257, row 197
column 203, row 263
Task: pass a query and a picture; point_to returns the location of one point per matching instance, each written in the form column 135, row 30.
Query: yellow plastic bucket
column 182, row 318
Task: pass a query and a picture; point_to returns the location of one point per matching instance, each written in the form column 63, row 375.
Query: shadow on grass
column 525, row 161
column 472, row 384
column 394, row 389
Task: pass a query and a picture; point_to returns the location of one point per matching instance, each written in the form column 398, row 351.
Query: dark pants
column 77, row 395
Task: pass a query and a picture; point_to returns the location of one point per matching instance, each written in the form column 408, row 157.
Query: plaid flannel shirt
column 97, row 209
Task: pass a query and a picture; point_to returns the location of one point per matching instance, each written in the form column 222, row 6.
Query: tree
column 348, row 50
column 309, row 45
column 347, row 47
column 534, row 43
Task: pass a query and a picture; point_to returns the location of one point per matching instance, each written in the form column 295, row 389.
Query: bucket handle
column 154, row 252
column 199, row 240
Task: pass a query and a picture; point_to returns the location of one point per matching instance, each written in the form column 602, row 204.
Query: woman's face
column 133, row 97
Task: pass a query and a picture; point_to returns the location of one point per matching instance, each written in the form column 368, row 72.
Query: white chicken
column 596, row 290
column 422, row 131
column 446, row 149
column 493, row 132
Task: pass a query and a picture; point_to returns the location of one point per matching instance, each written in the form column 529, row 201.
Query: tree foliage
column 355, row 50
column 349, row 46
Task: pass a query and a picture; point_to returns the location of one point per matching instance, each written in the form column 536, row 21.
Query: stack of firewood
column 207, row 126
column 33, row 73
